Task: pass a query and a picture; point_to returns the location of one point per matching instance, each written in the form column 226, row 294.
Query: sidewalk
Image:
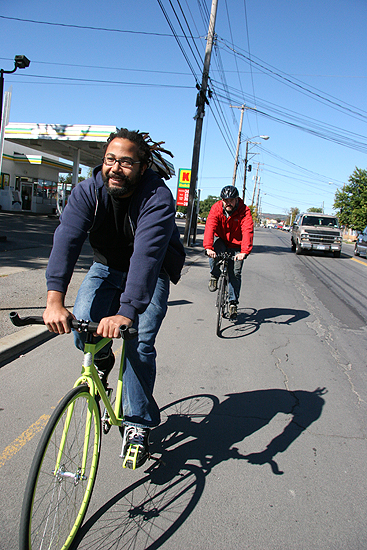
column 23, row 262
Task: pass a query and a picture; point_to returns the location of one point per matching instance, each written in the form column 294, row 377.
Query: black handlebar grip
column 18, row 322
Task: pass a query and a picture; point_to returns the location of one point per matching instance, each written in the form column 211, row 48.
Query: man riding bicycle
column 128, row 213
column 229, row 228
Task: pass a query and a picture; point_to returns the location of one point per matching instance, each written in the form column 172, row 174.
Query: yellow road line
column 24, row 438
column 359, row 261
column 28, row 434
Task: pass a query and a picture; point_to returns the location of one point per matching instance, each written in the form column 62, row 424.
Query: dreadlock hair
column 146, row 146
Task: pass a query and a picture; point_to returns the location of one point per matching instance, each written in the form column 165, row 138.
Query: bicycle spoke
column 58, row 490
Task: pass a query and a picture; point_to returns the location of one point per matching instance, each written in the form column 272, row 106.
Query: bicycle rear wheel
column 221, row 301
column 55, row 502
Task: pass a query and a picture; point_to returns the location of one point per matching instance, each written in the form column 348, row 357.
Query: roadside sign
column 183, row 187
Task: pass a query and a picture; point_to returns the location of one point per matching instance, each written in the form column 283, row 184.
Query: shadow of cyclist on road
column 249, row 320
column 211, row 439
column 196, row 434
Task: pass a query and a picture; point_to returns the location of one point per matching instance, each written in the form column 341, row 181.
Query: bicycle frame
column 90, row 377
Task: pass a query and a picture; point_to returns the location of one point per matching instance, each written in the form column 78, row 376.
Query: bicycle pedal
column 131, row 457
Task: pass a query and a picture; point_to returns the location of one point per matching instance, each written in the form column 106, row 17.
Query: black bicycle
column 223, row 282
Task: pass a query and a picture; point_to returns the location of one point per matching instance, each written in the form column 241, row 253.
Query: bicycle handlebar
column 225, row 255
column 127, row 333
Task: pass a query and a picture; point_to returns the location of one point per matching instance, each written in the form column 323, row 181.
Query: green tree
column 351, row 201
column 206, row 204
column 68, row 179
column 182, row 209
column 255, row 214
column 315, row 209
column 292, row 214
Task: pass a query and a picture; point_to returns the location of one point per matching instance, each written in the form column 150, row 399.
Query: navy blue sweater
column 157, row 242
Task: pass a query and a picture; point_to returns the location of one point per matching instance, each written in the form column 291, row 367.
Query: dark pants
column 234, row 269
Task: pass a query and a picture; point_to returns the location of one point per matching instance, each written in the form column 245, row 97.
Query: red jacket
column 236, row 230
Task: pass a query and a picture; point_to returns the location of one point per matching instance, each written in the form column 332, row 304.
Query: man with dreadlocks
column 129, row 214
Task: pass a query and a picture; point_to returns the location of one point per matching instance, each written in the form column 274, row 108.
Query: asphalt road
column 263, row 432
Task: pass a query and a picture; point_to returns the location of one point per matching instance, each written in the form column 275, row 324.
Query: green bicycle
column 64, row 468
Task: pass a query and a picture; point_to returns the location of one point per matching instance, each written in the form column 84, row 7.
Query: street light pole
column 20, row 62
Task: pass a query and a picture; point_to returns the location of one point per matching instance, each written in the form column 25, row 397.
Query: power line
column 302, row 168
column 306, row 124
column 104, row 82
column 183, row 32
column 191, row 35
column 302, row 87
column 103, row 67
column 85, row 27
column 178, row 41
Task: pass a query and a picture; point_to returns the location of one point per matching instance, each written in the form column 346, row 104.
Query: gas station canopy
column 62, row 140
column 77, row 143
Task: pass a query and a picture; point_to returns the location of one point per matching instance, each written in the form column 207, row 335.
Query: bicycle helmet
column 229, row 192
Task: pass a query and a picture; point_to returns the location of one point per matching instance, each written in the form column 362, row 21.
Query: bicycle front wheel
column 221, row 302
column 62, row 474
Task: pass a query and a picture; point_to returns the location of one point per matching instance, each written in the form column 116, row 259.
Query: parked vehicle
column 360, row 248
column 311, row 231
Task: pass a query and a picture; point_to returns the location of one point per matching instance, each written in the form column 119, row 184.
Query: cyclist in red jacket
column 229, row 228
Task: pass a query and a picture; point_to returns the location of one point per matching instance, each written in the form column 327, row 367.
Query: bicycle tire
column 221, row 302
column 54, row 506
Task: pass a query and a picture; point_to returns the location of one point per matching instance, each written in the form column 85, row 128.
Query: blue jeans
column 98, row 297
column 234, row 269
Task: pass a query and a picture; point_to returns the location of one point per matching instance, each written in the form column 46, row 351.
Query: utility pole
column 200, row 104
column 245, row 174
column 238, row 144
column 257, row 198
column 253, row 192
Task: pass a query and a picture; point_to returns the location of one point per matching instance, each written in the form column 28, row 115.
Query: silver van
column 313, row 231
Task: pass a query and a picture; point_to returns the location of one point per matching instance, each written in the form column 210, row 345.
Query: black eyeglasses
column 125, row 162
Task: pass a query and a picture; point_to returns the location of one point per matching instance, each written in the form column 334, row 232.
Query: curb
column 22, row 340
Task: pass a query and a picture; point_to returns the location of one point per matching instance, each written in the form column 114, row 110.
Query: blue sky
column 301, row 64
